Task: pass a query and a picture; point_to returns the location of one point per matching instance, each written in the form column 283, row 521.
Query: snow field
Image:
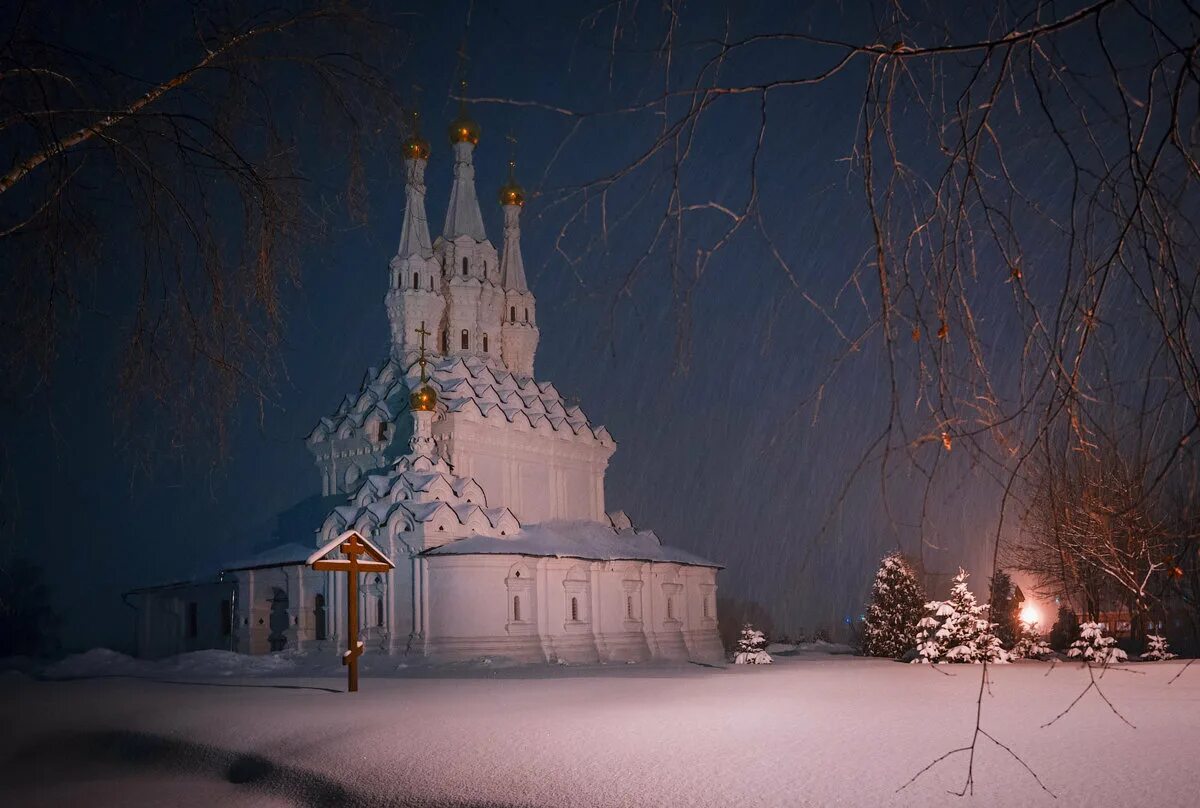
column 812, row 729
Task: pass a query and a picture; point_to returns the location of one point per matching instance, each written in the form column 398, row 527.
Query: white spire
column 463, row 217
column 414, row 236
column 512, row 267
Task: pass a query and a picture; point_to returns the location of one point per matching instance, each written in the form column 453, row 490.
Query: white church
column 477, row 480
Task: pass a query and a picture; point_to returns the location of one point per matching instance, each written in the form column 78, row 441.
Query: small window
column 512, row 314
column 445, row 342
column 381, row 432
column 485, row 343
column 516, row 608
column 575, row 610
column 379, row 611
column 629, row 607
column 704, row 607
column 416, row 281
column 526, row 315
column 464, row 265
column 431, row 283
column 226, row 618
column 319, row 616
column 193, row 619
column 466, row 340
column 670, row 608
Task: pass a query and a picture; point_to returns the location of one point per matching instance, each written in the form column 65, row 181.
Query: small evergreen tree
column 897, row 603
column 957, row 629
column 1004, row 609
column 1064, row 630
column 1093, row 646
column 1157, row 649
column 752, row 648
column 1031, row 644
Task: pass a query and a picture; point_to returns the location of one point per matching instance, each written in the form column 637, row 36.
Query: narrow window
column 445, row 342
column 431, row 283
column 526, row 315
column 466, row 339
column 319, row 616
column 485, row 343
column 704, row 607
column 629, row 607
column 464, row 265
column 516, row 608
column 512, row 314
column 575, row 610
column 193, row 619
column 226, row 619
column 381, row 434
column 670, row 608
column 379, row 611
column 416, row 281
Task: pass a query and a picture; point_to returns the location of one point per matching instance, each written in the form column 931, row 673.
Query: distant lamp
column 1030, row 614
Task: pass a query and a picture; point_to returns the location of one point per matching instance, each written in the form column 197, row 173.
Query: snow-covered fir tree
column 957, row 629
column 1095, row 647
column 1157, row 649
column 897, row 603
column 1031, row 644
column 752, row 648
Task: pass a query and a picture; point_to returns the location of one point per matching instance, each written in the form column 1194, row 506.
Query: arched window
column 670, row 608
column 431, row 283
column 319, row 616
column 416, row 281
column 466, row 339
column 526, row 315
column 464, row 265
column 512, row 314
column 516, row 608
column 379, row 601
column 445, row 342
column 485, row 343
column 629, row 607
column 575, row 610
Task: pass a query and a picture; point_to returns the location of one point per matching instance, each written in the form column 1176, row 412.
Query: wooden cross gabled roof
column 352, row 545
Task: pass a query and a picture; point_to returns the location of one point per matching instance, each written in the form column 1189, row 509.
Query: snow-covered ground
column 813, row 729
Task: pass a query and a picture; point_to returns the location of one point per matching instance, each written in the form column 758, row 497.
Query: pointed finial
column 511, row 192
column 416, row 147
column 424, row 398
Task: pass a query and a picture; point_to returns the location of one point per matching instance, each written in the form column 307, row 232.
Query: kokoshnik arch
column 484, row 487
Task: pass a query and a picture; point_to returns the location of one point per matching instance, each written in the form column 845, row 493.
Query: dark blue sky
column 722, row 457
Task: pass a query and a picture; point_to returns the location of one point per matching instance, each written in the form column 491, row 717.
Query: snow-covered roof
column 575, row 539
column 468, row 383
column 283, row 555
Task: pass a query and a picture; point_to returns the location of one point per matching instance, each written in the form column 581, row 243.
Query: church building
column 481, row 484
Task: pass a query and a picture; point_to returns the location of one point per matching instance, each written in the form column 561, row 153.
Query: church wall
column 541, row 475
column 163, row 622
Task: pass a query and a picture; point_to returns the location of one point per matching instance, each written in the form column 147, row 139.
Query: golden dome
column 511, row 193
column 423, row 399
column 464, row 130
column 416, row 148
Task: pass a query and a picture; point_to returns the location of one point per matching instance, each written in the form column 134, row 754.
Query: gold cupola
column 423, row 399
column 511, row 193
column 415, row 147
column 464, row 129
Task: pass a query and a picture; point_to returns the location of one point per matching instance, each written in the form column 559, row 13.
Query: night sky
column 722, row 452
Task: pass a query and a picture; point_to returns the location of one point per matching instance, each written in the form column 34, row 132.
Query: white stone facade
column 492, row 506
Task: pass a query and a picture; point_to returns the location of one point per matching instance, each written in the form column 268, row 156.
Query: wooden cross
column 351, row 545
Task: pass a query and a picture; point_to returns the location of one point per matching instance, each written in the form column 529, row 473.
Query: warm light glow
column 1030, row 614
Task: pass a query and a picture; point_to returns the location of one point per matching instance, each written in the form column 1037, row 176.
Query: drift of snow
column 809, row 730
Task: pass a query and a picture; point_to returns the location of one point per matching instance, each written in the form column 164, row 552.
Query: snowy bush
column 751, row 648
column 957, row 629
column 1030, row 644
column 1093, row 646
column 897, row 602
column 1156, row 649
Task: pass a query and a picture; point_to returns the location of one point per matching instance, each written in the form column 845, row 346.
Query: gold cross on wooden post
column 351, row 545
